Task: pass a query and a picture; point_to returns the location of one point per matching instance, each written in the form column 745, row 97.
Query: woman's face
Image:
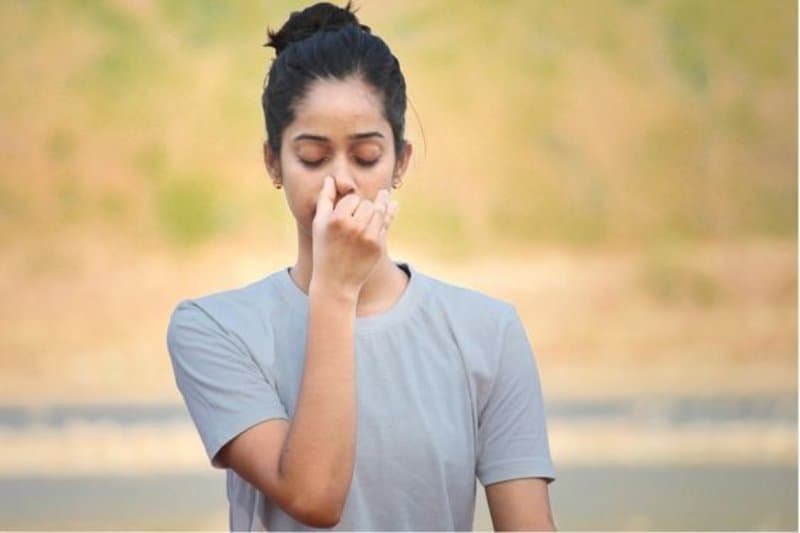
column 339, row 129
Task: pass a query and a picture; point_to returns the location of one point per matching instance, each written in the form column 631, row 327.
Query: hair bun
column 303, row 24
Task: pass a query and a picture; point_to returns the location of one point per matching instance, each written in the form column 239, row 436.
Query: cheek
column 302, row 190
column 385, row 170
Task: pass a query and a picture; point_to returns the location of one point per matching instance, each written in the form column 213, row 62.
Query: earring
column 396, row 184
column 278, row 185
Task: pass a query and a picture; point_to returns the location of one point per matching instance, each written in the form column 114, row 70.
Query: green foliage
column 666, row 276
column 14, row 203
column 190, row 210
column 70, row 199
column 61, row 145
column 685, row 28
column 585, row 123
column 116, row 79
column 425, row 224
column 202, row 22
column 113, row 206
column 151, row 162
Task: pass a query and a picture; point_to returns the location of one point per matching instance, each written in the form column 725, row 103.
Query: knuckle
column 346, row 224
column 337, row 221
column 372, row 245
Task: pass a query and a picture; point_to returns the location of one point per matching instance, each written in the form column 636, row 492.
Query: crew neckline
column 402, row 308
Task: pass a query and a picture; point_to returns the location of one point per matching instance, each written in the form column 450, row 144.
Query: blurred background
column 623, row 172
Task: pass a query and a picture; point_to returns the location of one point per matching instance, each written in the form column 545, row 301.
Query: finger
column 382, row 197
column 377, row 221
column 382, row 200
column 364, row 212
column 391, row 213
column 327, row 195
column 346, row 205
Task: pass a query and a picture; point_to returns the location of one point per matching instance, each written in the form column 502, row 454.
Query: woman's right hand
column 348, row 238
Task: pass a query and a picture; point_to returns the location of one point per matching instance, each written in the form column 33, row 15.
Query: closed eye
column 366, row 162
column 312, row 164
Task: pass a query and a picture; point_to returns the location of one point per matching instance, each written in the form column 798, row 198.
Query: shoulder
column 227, row 310
column 484, row 312
column 479, row 324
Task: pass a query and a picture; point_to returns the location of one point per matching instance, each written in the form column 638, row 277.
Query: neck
column 378, row 292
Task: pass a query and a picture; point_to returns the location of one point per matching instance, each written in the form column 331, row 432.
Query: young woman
column 351, row 391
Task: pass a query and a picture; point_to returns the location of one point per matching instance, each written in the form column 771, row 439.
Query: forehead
column 331, row 105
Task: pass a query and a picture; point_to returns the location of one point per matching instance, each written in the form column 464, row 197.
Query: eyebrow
column 355, row 136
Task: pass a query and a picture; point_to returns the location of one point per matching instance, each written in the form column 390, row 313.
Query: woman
column 350, row 391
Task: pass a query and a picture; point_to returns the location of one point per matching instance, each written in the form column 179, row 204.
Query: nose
column 344, row 182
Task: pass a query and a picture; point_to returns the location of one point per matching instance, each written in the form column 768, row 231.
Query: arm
column 319, row 454
column 514, row 463
column 520, row 504
column 307, row 466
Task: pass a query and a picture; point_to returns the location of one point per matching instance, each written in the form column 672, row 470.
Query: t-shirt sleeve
column 224, row 390
column 512, row 431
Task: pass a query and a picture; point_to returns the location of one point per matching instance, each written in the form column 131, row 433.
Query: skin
column 520, row 505
column 335, row 165
column 340, row 131
column 332, row 113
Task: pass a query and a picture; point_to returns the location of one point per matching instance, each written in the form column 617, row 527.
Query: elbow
column 313, row 503
column 319, row 512
column 547, row 525
column 323, row 521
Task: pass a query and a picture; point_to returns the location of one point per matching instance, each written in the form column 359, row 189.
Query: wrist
column 319, row 289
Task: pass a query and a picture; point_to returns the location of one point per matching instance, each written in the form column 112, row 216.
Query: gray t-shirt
column 447, row 386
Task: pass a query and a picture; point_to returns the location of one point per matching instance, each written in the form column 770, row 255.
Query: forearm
column 319, row 454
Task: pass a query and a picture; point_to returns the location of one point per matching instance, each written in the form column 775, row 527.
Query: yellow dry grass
column 84, row 319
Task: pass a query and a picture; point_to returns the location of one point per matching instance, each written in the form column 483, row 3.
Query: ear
column 272, row 163
column 401, row 165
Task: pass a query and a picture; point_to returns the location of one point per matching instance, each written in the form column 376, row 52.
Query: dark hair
column 327, row 41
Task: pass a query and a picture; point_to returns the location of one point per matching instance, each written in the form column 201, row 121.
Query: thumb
column 327, row 195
